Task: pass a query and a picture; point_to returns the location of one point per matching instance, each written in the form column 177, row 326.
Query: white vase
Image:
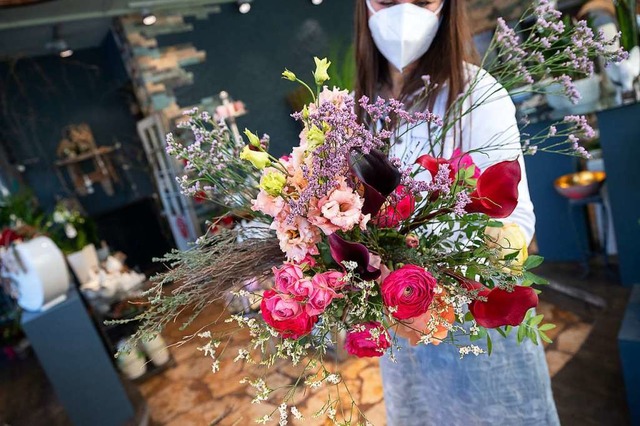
column 589, row 89
column 83, row 262
column 157, row 351
column 42, row 277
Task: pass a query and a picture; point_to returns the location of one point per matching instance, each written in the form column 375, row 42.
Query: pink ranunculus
column 367, row 340
column 286, row 276
column 286, row 315
column 319, row 299
column 409, row 290
column 329, row 279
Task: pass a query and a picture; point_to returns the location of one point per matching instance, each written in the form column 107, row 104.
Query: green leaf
column 511, row 256
column 502, row 332
column 521, row 333
column 544, row 337
column 508, row 330
column 546, row 327
column 534, row 278
column 468, row 316
column 533, row 261
column 489, row 344
column 533, row 336
column 536, row 320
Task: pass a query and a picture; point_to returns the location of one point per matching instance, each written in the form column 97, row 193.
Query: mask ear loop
column 371, row 9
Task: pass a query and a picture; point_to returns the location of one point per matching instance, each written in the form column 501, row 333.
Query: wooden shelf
column 86, row 156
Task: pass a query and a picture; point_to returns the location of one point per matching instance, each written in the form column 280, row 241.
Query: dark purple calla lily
column 342, row 250
column 378, row 176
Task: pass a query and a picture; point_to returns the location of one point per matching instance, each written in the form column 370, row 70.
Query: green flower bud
column 321, row 73
column 259, row 159
column 254, row 140
column 272, row 182
column 288, row 75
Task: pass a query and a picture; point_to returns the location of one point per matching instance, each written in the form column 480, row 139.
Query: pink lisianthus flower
column 367, row 340
column 286, row 315
column 297, row 239
column 267, row 204
column 340, row 209
column 286, row 277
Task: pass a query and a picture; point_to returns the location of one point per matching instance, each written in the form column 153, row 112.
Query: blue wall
column 40, row 96
column 247, row 53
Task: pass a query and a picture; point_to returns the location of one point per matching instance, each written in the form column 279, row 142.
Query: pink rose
column 286, row 276
column 319, row 299
column 302, row 289
column 307, row 263
column 329, row 279
column 412, row 241
column 409, row 290
column 286, row 315
column 367, row 340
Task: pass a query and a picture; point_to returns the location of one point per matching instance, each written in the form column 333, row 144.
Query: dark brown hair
column 443, row 62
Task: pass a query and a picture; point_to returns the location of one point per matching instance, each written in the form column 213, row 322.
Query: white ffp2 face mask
column 404, row 32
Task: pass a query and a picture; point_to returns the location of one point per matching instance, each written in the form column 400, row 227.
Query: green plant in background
column 20, row 209
column 626, row 14
column 69, row 229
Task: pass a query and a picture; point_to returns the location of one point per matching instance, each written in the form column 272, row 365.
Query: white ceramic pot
column 589, row 89
column 42, row 278
column 83, row 262
column 133, row 364
column 157, row 351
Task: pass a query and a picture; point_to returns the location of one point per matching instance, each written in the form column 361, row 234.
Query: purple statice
column 575, row 146
column 569, row 89
column 344, row 133
column 462, row 200
column 580, row 123
column 442, row 180
column 511, row 52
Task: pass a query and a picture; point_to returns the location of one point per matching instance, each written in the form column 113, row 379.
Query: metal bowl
column 580, row 185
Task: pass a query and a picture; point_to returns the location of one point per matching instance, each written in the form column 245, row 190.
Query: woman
column 398, row 42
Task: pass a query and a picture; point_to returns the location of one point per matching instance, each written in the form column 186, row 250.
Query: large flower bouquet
column 351, row 247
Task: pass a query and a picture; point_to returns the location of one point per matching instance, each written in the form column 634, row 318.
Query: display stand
column 75, row 359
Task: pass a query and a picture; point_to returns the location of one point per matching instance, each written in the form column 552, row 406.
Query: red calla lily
column 392, row 215
column 496, row 193
column 500, row 307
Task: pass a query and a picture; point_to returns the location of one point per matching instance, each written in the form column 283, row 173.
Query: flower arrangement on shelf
column 359, row 244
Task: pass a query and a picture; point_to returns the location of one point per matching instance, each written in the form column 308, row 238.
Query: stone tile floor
column 190, row 394
column 583, row 361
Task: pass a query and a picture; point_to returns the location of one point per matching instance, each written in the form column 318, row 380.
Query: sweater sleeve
column 490, row 132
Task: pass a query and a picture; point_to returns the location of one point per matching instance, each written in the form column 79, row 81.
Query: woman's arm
column 491, row 134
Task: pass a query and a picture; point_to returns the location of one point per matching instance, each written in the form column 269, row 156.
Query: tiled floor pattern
column 190, row 394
